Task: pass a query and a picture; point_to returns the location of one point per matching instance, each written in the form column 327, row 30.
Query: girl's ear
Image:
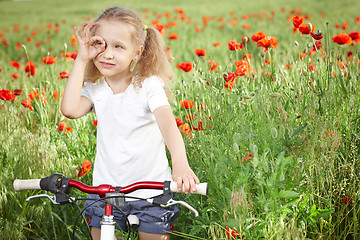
column 139, row 52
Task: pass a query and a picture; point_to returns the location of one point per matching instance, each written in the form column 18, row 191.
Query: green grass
column 302, row 179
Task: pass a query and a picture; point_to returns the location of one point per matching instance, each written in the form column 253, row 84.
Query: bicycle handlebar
column 55, row 182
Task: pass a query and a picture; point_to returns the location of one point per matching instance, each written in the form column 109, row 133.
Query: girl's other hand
column 184, row 176
column 89, row 47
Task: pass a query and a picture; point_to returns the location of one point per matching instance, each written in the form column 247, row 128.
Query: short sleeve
column 87, row 91
column 156, row 96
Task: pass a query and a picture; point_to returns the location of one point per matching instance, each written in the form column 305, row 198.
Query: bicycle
column 61, row 186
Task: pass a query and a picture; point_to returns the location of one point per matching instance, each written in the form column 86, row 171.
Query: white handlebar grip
column 201, row 188
column 30, row 184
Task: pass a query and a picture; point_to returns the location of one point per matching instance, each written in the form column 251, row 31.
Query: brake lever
column 182, row 203
column 61, row 199
column 52, row 198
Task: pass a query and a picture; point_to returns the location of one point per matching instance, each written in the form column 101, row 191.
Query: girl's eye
column 118, row 46
column 97, row 43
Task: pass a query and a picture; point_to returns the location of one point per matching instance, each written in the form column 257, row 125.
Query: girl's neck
column 118, row 85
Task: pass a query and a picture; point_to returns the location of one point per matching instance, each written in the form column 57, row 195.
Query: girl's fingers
column 98, row 43
column 82, row 30
column 179, row 183
column 89, row 28
column 92, row 25
column 76, row 33
column 192, row 184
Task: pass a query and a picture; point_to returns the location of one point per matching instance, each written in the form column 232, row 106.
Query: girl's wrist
column 81, row 62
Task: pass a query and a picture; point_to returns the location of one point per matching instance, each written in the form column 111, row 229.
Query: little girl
column 125, row 68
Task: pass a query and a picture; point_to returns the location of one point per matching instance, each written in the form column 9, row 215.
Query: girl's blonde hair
column 153, row 60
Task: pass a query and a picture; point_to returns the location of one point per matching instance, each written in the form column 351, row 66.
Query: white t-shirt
column 130, row 147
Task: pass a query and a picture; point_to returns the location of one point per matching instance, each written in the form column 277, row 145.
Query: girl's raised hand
column 89, row 47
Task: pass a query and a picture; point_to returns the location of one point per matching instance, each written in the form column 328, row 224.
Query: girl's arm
column 73, row 105
column 182, row 173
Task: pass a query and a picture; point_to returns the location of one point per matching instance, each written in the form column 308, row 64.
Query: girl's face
column 114, row 62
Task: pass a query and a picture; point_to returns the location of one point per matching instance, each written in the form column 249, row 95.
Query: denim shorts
column 152, row 218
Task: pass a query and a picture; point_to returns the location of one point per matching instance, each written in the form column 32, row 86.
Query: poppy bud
column 310, row 26
column 245, row 39
column 296, row 43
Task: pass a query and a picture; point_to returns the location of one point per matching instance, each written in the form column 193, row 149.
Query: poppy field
column 265, row 95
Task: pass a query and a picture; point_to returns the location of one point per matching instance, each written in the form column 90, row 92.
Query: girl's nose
column 108, row 53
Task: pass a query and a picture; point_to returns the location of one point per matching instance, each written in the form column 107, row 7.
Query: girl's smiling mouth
column 107, row 64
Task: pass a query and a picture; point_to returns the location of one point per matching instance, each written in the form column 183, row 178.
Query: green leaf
column 288, row 194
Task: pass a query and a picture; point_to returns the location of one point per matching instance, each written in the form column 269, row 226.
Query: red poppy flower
column 229, row 85
column 243, row 68
column 56, row 95
column 317, row 46
column 233, row 45
column 7, row 95
column 312, row 68
column 179, row 122
column 216, row 44
column 27, row 104
column 246, row 26
column 15, row 75
column 267, row 42
column 342, row 38
column 158, row 26
column 84, row 168
column 94, row 122
column 62, row 126
column 249, row 156
column 6, row 44
column 30, row 68
column 32, row 95
column 18, row 92
column 185, row 66
column 212, row 65
column 15, row 64
column 185, row 128
column 306, row 28
column 232, row 233
column 297, row 21
column 179, row 11
column 49, row 60
column 186, row 104
column 342, row 65
column 173, row 36
column 230, row 77
column 64, row 74
column 355, row 36
column 258, row 36
column 68, row 129
column 73, row 40
column 317, row 36
column 200, row 52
